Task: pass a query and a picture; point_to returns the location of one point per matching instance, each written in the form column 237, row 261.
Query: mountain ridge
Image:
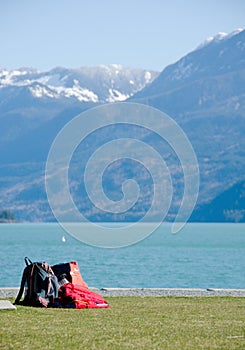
column 196, row 65
column 83, row 83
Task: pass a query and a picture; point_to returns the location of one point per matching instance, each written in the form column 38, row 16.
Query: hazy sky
column 73, row 33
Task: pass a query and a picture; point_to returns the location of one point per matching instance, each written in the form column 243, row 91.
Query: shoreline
column 11, row 292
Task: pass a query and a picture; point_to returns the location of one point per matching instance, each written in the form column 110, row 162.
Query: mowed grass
column 130, row 323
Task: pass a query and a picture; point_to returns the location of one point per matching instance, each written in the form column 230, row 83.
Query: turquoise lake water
column 200, row 256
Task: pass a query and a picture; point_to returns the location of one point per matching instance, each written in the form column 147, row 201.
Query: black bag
column 40, row 283
column 69, row 272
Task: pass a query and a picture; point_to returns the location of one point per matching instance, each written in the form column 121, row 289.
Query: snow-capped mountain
column 219, row 55
column 87, row 84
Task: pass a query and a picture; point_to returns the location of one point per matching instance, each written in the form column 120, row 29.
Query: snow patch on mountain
column 116, row 96
column 82, row 95
column 148, row 77
column 39, row 91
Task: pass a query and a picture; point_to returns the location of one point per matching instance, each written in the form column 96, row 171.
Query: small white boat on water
column 63, row 239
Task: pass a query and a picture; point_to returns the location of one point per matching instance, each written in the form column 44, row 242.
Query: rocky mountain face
column 203, row 92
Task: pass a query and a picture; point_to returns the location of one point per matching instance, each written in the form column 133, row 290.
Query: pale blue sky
column 72, row 33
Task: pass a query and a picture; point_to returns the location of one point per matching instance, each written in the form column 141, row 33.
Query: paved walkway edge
column 142, row 292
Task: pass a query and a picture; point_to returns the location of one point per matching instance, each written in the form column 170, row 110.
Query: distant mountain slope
column 229, row 206
column 205, row 93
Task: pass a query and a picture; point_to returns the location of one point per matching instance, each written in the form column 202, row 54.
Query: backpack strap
column 23, row 280
column 28, row 261
column 22, row 286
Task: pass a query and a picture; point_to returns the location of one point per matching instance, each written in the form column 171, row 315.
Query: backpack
column 40, row 283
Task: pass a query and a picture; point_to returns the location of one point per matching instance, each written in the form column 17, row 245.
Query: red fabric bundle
column 78, row 297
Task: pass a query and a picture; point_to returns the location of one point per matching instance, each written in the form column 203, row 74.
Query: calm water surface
column 200, row 256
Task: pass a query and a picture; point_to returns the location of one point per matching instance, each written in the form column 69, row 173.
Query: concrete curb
column 143, row 292
column 178, row 292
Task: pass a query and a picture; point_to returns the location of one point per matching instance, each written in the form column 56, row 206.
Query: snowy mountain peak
column 224, row 56
column 219, row 37
column 196, row 63
column 86, row 84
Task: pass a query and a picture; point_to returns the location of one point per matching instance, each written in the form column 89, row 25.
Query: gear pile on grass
column 59, row 286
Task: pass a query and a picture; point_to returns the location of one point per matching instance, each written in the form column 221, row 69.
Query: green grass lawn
column 130, row 323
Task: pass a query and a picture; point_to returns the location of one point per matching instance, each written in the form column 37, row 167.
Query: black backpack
column 40, row 284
